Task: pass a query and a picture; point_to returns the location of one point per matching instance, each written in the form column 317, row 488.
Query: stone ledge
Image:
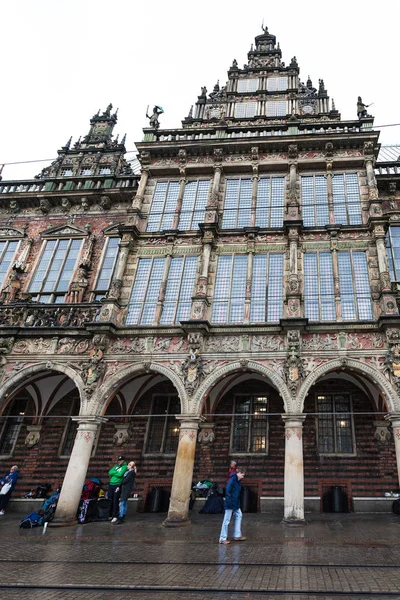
column 275, row 504
column 372, row 505
column 24, row 506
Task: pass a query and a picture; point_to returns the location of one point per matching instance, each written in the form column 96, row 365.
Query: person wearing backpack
column 7, row 484
column 125, row 490
column 116, row 477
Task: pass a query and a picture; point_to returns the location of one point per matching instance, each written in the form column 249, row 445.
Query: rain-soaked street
column 333, row 556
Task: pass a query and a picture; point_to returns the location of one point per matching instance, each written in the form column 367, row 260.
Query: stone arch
column 252, row 366
column 99, row 401
column 372, row 373
column 15, row 381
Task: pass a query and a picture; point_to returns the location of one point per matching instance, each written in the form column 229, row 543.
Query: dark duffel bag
column 103, row 506
column 87, row 510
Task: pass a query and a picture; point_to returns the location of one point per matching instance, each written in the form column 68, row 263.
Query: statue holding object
column 153, row 119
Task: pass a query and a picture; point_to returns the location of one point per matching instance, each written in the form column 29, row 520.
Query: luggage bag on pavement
column 103, row 506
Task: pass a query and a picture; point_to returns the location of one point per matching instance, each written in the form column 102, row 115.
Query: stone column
column 329, row 186
column 138, row 199
column 183, row 473
column 110, row 310
column 387, row 301
column 394, row 418
column 336, row 280
column 178, row 208
column 163, row 289
column 75, row 475
column 294, row 471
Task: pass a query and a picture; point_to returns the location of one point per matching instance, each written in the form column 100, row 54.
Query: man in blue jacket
column 232, row 505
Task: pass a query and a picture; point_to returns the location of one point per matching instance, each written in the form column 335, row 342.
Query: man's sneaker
column 1, row 512
column 120, row 521
column 114, row 520
column 225, row 542
column 240, row 539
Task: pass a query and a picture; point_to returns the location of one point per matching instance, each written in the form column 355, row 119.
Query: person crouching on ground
column 7, row 483
column 232, row 505
column 116, row 477
column 125, row 490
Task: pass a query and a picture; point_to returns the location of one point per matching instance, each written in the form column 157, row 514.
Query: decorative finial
column 190, row 115
column 333, row 104
column 123, row 140
column 114, row 116
column 107, row 112
column 68, row 144
column 116, row 139
column 78, row 142
column 251, row 48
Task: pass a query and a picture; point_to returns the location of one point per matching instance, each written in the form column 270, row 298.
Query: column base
column 294, row 522
column 176, row 522
column 63, row 523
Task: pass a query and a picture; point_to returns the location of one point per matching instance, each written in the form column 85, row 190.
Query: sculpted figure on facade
column 192, row 370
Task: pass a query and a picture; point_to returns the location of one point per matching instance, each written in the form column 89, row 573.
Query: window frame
column 307, row 298
column 7, row 422
column 180, row 288
column 247, row 109
column 96, row 291
column 147, row 284
column 53, row 295
column 277, row 104
column 335, row 414
column 250, row 435
column 277, row 79
column 3, row 252
column 168, row 415
column 394, row 270
column 252, row 88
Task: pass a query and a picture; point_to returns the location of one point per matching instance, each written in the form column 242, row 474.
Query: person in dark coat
column 9, row 478
column 125, row 490
column 232, row 506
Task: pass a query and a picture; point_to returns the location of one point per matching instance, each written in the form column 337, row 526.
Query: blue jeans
column 237, row 530
column 123, row 505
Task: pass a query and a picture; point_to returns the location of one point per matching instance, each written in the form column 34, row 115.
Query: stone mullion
column 163, row 288
column 371, row 179
column 75, row 475
column 329, row 185
column 249, row 281
column 294, row 469
column 178, row 208
column 336, row 284
column 254, row 191
column 141, row 188
column 183, row 473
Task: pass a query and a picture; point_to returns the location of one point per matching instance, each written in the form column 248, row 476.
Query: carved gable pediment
column 66, row 231
column 112, row 229
column 11, row 233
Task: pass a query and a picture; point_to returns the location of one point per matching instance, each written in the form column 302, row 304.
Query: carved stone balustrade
column 44, row 315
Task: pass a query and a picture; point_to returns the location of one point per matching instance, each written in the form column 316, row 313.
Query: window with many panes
column 163, row 428
column 86, row 171
column 276, row 108
column 346, row 199
column 164, row 204
column 314, row 195
column 230, row 288
column 110, row 255
column 345, row 196
column 105, row 171
column 146, row 290
column 7, row 253
column 269, row 204
column 66, row 172
column 10, row 424
column 393, row 251
column 245, row 110
column 335, row 424
column 319, row 299
column 247, row 85
column 355, row 291
column 277, row 84
column 194, row 204
column 179, row 291
column 249, row 424
column 54, row 272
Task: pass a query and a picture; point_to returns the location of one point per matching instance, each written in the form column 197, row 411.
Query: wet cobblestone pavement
column 333, row 556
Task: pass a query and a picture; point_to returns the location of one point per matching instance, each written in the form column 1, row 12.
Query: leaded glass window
column 179, row 291
column 7, row 253
column 355, row 292
column 145, row 292
column 314, row 197
column 393, row 250
column 270, row 202
column 194, row 204
column 250, row 425
column 247, row 85
column 277, row 84
column 335, row 424
column 230, row 289
column 276, row 108
column 107, row 267
column 237, row 205
column 163, row 206
column 267, row 288
column 10, row 425
column 319, row 300
column 163, row 428
column 55, row 270
column 245, row 110
column 346, row 199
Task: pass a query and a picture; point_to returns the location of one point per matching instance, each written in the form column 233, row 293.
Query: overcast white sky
column 62, row 60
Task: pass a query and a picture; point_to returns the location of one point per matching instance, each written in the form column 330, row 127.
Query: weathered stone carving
column 206, row 434
column 121, row 436
column 382, row 432
column 33, row 436
column 192, row 370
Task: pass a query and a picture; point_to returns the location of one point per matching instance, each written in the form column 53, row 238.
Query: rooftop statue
column 362, row 108
column 107, row 112
column 153, row 119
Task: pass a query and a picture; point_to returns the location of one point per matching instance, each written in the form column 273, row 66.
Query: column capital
column 394, row 419
column 293, row 420
column 83, row 420
column 190, row 421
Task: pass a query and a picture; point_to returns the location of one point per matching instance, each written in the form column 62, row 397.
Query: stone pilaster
column 394, row 418
column 183, row 473
column 387, row 298
column 294, row 470
column 75, row 475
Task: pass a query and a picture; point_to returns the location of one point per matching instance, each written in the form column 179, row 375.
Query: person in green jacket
column 116, row 476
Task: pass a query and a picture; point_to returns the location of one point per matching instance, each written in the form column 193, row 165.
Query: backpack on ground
column 35, row 519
